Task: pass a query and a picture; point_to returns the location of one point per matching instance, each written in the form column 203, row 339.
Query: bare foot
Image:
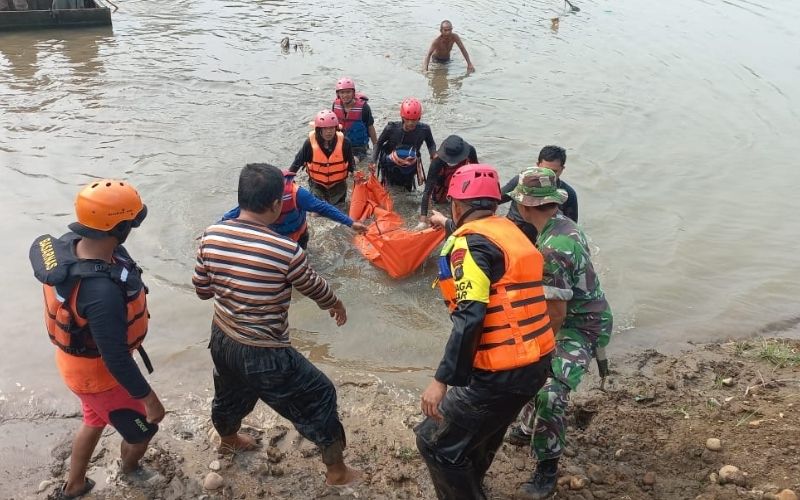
column 345, row 477
column 237, row 443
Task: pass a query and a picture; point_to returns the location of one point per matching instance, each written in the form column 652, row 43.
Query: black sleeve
column 366, row 115
column 347, row 151
column 302, row 156
column 510, row 185
column 430, row 142
column 434, row 171
column 382, row 139
column 570, row 207
column 449, row 226
column 101, row 302
column 455, row 367
column 473, row 155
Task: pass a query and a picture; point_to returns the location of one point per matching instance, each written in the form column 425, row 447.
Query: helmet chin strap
column 485, row 205
column 121, row 231
column 466, row 214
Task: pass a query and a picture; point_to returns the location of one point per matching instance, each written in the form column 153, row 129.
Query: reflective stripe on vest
column 516, row 328
column 327, row 170
column 69, row 331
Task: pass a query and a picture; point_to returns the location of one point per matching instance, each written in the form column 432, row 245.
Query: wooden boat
column 43, row 14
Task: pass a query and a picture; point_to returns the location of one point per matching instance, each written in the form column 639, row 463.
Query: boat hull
column 59, row 18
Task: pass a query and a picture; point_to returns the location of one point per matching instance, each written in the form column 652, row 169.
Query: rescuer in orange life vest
column 96, row 314
column 498, row 353
column 328, row 157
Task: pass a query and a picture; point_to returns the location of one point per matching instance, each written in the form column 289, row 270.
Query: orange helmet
column 106, row 204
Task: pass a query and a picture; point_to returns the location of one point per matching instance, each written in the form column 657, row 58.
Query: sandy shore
column 645, row 437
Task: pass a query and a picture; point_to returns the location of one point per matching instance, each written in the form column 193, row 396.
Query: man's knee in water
column 360, row 153
column 403, row 181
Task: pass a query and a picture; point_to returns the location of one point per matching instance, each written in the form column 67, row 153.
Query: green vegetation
column 779, row 352
column 406, row 454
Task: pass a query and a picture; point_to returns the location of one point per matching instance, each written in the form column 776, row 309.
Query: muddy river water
column 681, row 121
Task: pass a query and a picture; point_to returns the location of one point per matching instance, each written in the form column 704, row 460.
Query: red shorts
column 96, row 407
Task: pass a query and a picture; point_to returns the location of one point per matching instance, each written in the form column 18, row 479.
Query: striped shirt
column 249, row 271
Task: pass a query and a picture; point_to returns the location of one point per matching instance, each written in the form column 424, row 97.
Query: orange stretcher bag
column 387, row 244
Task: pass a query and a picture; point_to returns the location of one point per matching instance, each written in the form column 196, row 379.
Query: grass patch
column 742, row 348
column 779, row 352
column 406, row 454
column 746, row 418
column 681, row 410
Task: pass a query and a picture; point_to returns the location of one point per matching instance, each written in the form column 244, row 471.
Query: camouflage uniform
column 569, row 276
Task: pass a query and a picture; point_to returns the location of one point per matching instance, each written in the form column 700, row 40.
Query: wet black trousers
column 282, row 378
column 459, row 450
column 395, row 176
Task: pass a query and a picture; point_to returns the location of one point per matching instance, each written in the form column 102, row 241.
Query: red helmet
column 410, row 109
column 326, row 118
column 345, row 83
column 475, row 181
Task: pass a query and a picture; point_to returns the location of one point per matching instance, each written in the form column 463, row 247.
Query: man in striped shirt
column 250, row 270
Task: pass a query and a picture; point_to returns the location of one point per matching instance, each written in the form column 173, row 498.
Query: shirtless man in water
column 443, row 44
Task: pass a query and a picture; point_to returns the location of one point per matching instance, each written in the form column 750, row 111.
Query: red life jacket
column 348, row 118
column 289, row 195
column 289, row 208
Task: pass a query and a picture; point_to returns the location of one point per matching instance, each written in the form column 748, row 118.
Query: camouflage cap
column 538, row 186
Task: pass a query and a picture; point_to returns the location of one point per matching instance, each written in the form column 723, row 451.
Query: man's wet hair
column 553, row 153
column 441, row 25
column 260, row 186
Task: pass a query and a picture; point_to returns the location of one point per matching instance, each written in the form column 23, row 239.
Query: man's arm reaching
column 460, row 44
column 428, row 56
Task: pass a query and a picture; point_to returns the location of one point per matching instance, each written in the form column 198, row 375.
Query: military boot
column 542, row 483
column 517, row 437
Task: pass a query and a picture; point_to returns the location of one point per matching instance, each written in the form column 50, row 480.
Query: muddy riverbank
column 650, row 435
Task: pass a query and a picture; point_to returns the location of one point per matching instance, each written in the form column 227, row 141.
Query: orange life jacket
column 516, row 328
column 56, row 266
column 327, row 170
column 69, row 331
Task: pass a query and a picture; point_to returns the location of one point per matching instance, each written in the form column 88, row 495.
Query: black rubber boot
column 517, row 437
column 542, row 483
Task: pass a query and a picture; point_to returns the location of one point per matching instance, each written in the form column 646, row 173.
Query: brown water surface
column 680, row 118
